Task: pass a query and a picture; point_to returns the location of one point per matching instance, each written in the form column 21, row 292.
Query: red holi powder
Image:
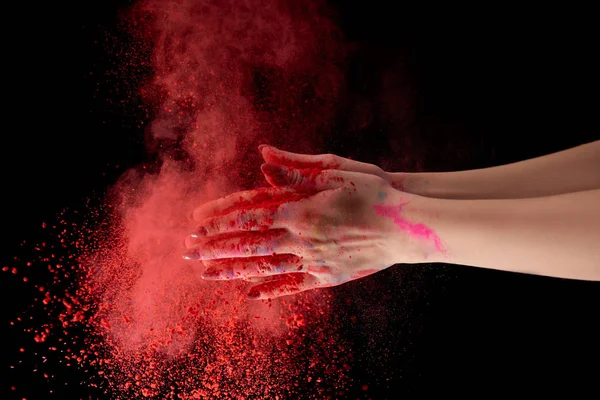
column 123, row 304
column 415, row 230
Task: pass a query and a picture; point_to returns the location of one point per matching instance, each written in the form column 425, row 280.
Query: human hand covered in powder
column 316, row 227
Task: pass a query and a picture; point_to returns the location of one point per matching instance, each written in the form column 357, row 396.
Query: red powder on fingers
column 250, row 239
column 234, row 268
column 238, row 244
column 265, row 200
column 279, row 158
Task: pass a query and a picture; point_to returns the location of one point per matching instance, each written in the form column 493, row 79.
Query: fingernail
column 191, row 216
column 253, row 294
column 261, row 147
column 192, row 255
column 210, row 273
column 200, row 232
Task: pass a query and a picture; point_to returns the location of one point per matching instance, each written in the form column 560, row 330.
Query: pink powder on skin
column 415, row 230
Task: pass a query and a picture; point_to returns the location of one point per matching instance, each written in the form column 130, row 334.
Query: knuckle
column 373, row 169
column 343, row 163
column 295, row 178
column 331, row 160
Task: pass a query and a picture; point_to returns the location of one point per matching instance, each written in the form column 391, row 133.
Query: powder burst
column 123, row 305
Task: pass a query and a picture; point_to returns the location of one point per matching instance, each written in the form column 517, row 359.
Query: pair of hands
column 320, row 224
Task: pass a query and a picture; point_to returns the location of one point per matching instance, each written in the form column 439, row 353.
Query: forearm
column 555, row 236
column 572, row 170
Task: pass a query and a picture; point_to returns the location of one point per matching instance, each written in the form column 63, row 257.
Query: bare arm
column 556, row 236
column 572, row 170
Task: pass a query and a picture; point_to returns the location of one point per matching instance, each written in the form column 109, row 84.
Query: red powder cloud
column 226, row 76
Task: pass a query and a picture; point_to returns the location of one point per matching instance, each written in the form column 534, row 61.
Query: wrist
column 413, row 222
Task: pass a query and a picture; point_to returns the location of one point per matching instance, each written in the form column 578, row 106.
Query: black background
column 488, row 85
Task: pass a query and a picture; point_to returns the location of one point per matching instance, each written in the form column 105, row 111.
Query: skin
column 327, row 220
column 572, row 170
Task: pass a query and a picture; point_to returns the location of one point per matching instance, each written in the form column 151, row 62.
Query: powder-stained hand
column 314, row 228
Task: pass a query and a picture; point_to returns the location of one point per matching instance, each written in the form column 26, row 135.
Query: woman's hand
column 272, row 155
column 315, row 228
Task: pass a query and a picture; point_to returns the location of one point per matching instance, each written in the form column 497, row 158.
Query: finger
column 255, row 219
column 240, row 200
column 273, row 155
column 246, row 244
column 284, row 285
column 252, row 267
column 322, row 161
column 313, row 180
